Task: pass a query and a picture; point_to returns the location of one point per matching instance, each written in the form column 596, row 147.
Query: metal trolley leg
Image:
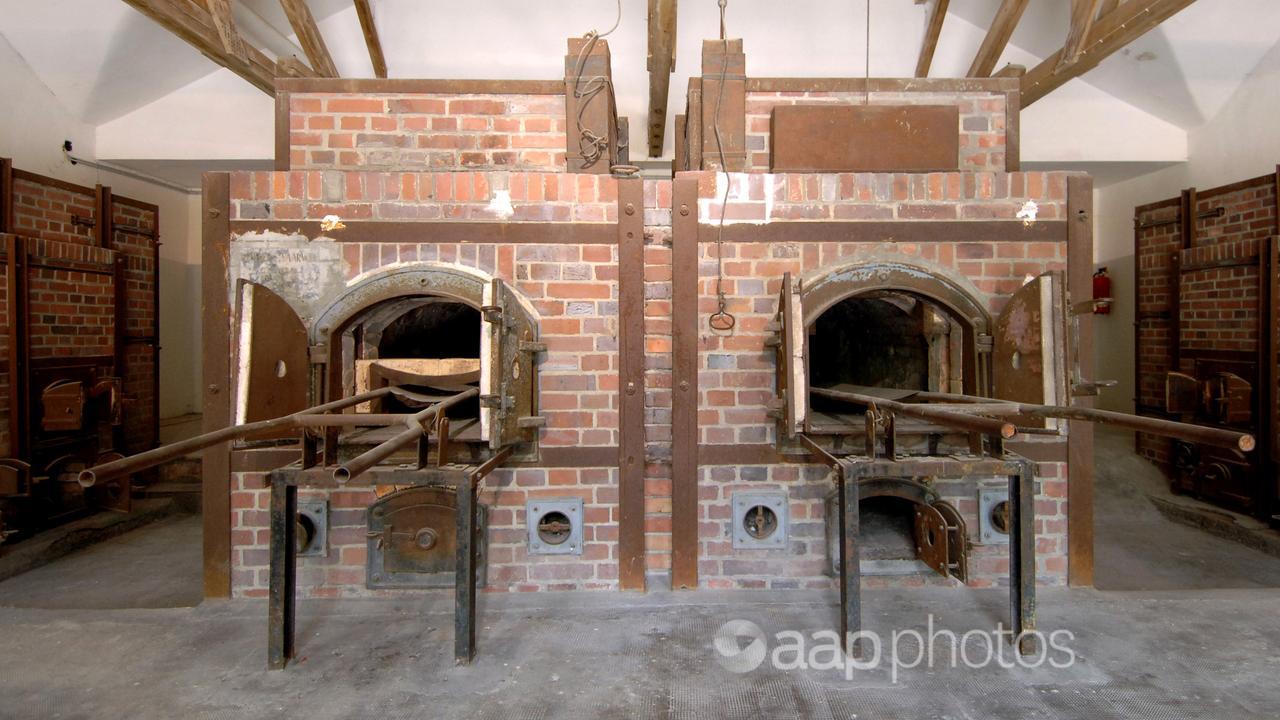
column 284, row 549
column 464, row 606
column 850, row 564
column 1022, row 556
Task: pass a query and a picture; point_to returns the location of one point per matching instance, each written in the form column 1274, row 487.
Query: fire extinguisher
column 1101, row 292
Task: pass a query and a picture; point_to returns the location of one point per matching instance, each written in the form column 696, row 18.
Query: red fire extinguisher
column 1101, row 292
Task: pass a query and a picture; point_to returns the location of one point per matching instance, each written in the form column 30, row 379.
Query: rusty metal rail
column 956, row 418
column 311, row 417
column 1189, row 432
column 415, row 430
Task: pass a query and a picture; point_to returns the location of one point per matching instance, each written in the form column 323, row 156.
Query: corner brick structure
column 1206, row 303
column 412, row 173
column 90, row 289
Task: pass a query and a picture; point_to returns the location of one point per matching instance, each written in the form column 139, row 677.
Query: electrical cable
column 721, row 320
column 591, row 147
column 866, row 66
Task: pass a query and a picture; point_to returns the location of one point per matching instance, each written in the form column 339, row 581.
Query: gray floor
column 103, row 634
column 1137, row 548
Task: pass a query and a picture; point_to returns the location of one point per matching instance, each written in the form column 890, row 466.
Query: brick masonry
column 418, row 158
column 573, row 290
column 736, row 371
column 427, row 132
column 1219, row 307
column 71, row 310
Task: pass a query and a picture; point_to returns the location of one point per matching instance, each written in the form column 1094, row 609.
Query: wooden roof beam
column 371, row 40
column 662, row 61
column 1129, row 21
column 1083, row 13
column 931, row 34
column 225, row 24
column 993, row 45
column 195, row 25
column 304, row 26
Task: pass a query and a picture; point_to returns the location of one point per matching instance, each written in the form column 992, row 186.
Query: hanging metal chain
column 721, row 320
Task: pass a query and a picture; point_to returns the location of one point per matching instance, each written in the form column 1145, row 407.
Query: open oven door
column 790, row 344
column 508, row 385
column 271, row 358
column 1028, row 360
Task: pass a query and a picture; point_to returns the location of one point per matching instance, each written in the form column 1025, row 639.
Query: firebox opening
column 887, row 529
column 887, row 339
column 424, row 335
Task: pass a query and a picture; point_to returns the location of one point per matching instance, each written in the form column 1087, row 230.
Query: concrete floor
column 1137, row 548
column 104, row 634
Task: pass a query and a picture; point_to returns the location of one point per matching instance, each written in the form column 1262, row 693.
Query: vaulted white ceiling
column 106, row 62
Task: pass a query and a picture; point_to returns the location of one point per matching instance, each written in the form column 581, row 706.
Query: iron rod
column 165, row 453
column 1189, row 432
column 956, row 419
column 416, row 427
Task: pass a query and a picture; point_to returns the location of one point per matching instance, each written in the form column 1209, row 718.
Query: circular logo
column 733, row 653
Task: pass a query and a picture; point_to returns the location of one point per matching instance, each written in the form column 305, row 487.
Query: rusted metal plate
column 957, row 540
column 793, row 386
column 1025, row 350
column 413, row 540
column 684, row 380
column 62, row 406
column 631, row 410
column 864, row 138
column 932, row 538
column 271, row 358
column 1229, row 398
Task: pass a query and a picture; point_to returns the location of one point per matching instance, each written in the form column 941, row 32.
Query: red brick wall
column 141, row 276
column 427, row 132
column 1219, row 306
column 982, row 121
column 72, row 311
column 573, row 289
column 313, row 194
column 737, row 371
column 44, row 211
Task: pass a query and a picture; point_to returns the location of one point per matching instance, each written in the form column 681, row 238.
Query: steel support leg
column 284, row 550
column 1022, row 557
column 850, row 565
column 464, row 608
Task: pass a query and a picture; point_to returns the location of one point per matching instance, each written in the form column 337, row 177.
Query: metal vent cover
column 555, row 526
column 760, row 521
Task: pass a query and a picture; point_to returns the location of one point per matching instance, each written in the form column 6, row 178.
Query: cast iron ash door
column 413, row 539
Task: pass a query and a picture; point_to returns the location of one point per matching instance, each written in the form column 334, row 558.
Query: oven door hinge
column 985, row 343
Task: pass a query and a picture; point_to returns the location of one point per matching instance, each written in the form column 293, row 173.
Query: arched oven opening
column 429, row 344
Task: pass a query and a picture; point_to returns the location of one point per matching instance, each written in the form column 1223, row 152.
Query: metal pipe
column 1189, row 432
column 960, row 420
column 416, row 427
column 353, row 420
column 151, row 458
